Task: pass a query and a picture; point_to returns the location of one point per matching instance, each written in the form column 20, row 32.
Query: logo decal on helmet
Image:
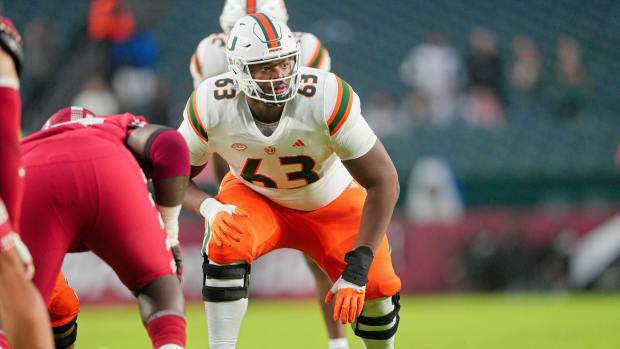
column 233, row 44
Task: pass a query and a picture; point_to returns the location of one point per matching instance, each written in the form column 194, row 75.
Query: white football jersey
column 210, row 56
column 298, row 166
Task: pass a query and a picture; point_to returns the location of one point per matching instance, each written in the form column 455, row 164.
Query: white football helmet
column 259, row 39
column 235, row 9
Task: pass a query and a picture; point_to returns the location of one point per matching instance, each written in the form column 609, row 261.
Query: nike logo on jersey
column 299, row 143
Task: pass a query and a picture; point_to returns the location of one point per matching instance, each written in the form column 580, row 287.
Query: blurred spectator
column 484, row 73
column 483, row 260
column 518, row 261
column 135, row 88
column 160, row 106
column 570, row 93
column 484, row 109
column 433, row 194
column 110, row 20
column 41, row 42
column 140, row 50
column 484, row 65
column 415, row 108
column 555, row 260
column 524, row 75
column 434, row 70
column 494, row 262
column 381, row 115
column 97, row 97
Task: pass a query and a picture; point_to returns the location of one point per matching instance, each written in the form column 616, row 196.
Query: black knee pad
column 225, row 272
column 68, row 339
column 380, row 321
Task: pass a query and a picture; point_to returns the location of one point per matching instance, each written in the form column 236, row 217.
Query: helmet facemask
column 267, row 93
column 257, row 40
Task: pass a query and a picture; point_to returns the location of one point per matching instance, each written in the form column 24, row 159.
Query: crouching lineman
column 306, row 173
column 85, row 190
column 209, row 60
column 21, row 309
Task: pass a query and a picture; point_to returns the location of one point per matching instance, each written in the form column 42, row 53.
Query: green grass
column 502, row 321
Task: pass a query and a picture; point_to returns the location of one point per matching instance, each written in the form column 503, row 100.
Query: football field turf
column 523, row 321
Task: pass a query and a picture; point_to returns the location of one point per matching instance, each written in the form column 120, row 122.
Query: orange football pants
column 64, row 304
column 325, row 235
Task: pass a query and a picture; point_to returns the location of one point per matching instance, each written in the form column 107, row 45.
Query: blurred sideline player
column 210, row 60
column 306, row 172
column 85, row 190
column 21, row 309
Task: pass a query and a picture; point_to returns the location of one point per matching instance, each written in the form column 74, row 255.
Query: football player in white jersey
column 209, row 60
column 306, row 172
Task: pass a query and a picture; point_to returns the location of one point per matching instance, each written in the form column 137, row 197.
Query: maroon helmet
column 66, row 115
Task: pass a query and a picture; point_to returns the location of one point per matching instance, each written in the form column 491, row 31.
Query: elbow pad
column 167, row 151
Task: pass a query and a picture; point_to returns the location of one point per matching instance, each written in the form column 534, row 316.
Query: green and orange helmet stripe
column 194, row 118
column 269, row 30
column 341, row 111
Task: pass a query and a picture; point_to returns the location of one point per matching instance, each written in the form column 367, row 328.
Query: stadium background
column 521, row 196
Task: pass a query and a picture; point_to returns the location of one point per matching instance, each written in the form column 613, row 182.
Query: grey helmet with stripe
column 235, row 9
column 258, row 39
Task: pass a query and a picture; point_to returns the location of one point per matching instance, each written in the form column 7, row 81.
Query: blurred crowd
column 492, row 262
column 479, row 86
column 118, row 58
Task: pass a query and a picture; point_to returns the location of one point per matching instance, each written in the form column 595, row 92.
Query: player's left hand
column 349, row 300
column 350, row 288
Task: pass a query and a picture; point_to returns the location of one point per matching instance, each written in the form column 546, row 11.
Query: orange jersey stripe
column 318, row 66
column 196, row 66
column 197, row 117
column 346, row 113
column 338, row 100
column 191, row 123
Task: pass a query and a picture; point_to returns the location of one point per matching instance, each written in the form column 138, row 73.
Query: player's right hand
column 221, row 223
column 11, row 42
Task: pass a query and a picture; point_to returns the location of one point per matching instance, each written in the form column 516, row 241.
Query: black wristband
column 358, row 265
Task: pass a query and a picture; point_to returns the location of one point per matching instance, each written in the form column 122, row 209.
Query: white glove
column 210, row 207
column 221, row 223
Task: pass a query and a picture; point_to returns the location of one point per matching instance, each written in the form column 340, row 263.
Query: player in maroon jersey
column 85, row 190
column 21, row 309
